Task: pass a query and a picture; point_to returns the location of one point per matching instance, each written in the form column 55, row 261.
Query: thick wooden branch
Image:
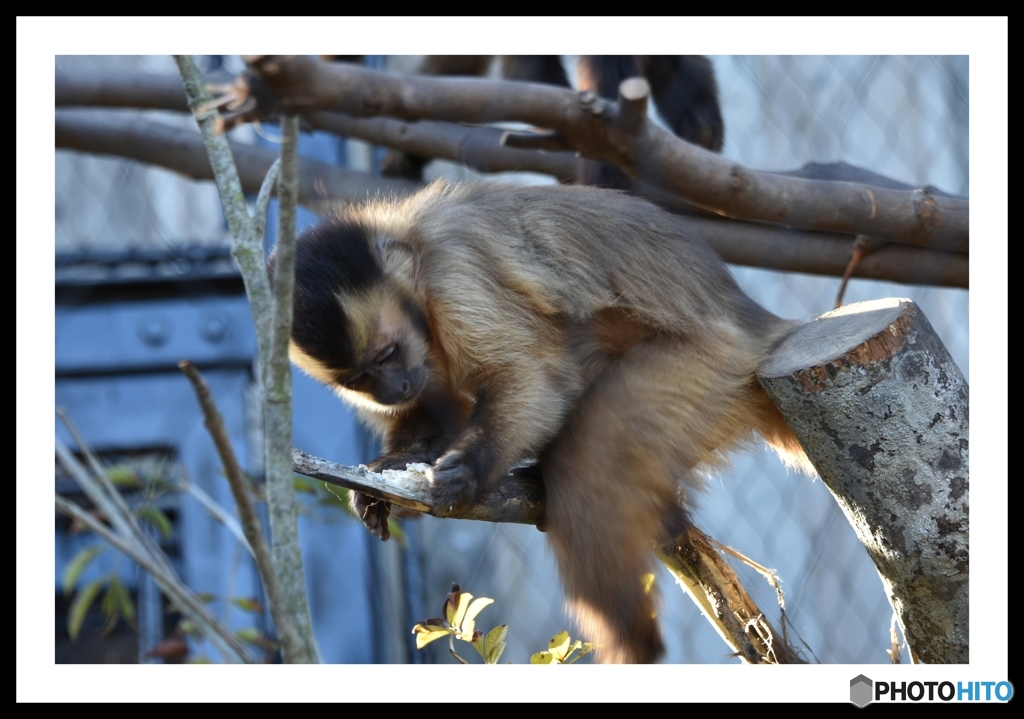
column 826, row 253
column 320, row 185
column 516, row 499
column 140, row 90
column 882, row 411
column 477, row 147
column 602, row 131
column 126, row 135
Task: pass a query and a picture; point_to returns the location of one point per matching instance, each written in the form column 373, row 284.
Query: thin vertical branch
column 291, row 643
column 270, row 322
column 277, row 396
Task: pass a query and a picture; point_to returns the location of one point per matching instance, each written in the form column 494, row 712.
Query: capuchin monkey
column 476, row 326
column 683, row 88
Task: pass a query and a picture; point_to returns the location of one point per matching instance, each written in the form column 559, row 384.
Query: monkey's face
column 379, row 356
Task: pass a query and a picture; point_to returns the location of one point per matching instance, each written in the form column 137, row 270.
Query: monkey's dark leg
column 602, row 75
column 686, row 95
column 547, row 69
column 410, row 167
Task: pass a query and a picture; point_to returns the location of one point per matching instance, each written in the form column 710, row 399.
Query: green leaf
column 77, row 565
column 205, row 597
column 249, row 634
column 117, row 603
column 187, row 626
column 123, row 476
column 122, row 600
column 543, row 658
column 247, row 604
column 303, row 484
column 337, row 496
column 252, row 635
column 495, row 643
column 80, row 606
column 158, row 519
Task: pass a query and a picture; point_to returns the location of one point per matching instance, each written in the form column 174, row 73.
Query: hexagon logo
column 860, row 690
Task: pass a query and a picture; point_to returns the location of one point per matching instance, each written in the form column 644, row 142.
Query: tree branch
column 251, row 525
column 247, row 250
column 140, row 90
column 126, row 135
column 600, row 130
column 882, row 411
column 476, row 147
column 320, row 185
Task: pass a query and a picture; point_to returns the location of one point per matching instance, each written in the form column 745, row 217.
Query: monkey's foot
column 374, row 513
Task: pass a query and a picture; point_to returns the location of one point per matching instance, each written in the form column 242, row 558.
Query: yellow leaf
column 559, row 644
column 451, row 604
column 426, row 637
column 429, row 630
column 464, row 598
column 543, row 658
column 478, row 604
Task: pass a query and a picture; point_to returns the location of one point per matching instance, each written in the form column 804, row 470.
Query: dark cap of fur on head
column 334, row 258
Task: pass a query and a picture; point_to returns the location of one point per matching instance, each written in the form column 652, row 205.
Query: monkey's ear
column 399, row 261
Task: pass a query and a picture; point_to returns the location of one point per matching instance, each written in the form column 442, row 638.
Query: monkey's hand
column 456, row 481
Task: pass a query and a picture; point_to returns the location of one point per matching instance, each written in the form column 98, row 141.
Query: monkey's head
column 357, row 327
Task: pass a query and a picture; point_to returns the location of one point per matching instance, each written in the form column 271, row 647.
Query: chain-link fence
column 904, row 117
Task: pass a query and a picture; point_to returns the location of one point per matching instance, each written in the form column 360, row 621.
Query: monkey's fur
column 480, row 325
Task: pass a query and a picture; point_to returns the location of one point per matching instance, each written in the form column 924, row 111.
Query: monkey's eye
column 389, row 353
column 357, row 383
